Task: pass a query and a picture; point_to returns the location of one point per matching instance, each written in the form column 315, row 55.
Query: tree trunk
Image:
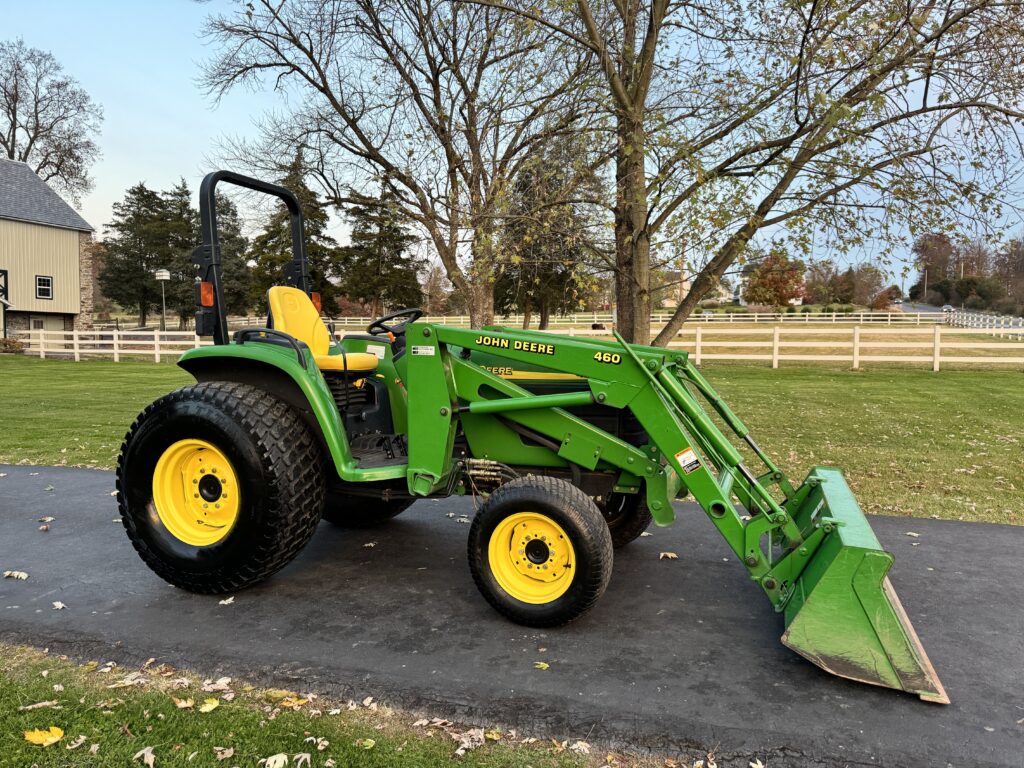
column 632, row 238
column 142, row 315
column 484, row 273
column 527, row 313
column 481, row 304
column 545, row 313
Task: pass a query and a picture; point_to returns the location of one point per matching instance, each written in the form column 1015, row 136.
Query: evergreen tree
column 136, row 245
column 179, row 229
column 544, row 236
column 379, row 270
column 272, row 249
column 236, row 275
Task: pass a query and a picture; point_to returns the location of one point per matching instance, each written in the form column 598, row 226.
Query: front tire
column 540, row 551
column 219, row 485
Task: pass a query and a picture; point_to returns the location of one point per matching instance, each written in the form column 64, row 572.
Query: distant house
column 46, row 274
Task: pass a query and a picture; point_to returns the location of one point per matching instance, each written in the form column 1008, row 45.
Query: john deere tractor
column 573, row 445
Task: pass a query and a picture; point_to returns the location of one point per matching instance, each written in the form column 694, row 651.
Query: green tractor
column 574, row 444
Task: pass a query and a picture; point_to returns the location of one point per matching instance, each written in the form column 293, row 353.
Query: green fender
column 309, row 382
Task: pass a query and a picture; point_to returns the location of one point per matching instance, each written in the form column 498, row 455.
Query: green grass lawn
column 913, row 442
column 124, row 711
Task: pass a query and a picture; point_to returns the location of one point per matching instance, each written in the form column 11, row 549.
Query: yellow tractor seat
column 294, row 314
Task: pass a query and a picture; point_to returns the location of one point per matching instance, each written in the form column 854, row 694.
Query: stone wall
column 86, row 282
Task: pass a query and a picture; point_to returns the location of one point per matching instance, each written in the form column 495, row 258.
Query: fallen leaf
column 44, row 527
column 209, row 705
column 147, row 757
column 329, row 763
column 48, row 488
column 645, row 533
column 368, row 701
column 276, row 694
column 420, row 723
column 45, row 738
column 218, row 686
column 224, row 753
column 227, row 601
column 184, row 703
column 541, row 665
column 58, row 688
column 47, row 519
column 301, row 759
column 915, row 535
column 18, row 575
column 580, row 748
column 492, row 735
column 279, row 760
column 365, row 743
column 76, row 743
column 668, row 556
column 40, row 705
column 558, row 746
column 468, row 740
column 94, row 749
column 291, row 702
column 370, row 545
column 58, row 605
column 321, row 744
column 756, row 763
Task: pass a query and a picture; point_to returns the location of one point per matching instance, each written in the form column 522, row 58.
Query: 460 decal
column 612, row 358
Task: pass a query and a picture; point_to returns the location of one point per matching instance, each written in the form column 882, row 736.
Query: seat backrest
column 294, row 313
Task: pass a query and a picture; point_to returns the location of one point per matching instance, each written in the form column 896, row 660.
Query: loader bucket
column 844, row 614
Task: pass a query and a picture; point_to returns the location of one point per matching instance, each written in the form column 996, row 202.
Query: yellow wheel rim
column 531, row 557
column 196, row 492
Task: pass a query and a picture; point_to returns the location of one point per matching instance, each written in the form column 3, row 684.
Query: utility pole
column 162, row 276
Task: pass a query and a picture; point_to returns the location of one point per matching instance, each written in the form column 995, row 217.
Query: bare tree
column 47, row 119
column 434, row 102
column 840, row 123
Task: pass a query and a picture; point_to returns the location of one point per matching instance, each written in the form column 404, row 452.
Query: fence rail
column 776, row 344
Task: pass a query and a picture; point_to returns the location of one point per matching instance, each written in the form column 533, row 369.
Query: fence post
column 156, row 346
column 696, row 351
column 74, row 346
column 117, row 351
column 775, row 347
column 936, row 347
column 42, row 342
column 195, row 341
column 856, row 347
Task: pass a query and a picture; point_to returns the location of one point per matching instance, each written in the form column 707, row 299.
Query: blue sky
column 140, row 61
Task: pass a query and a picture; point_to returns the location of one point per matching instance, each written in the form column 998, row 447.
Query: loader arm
column 809, row 548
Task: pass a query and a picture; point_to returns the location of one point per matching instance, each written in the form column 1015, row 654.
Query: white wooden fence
column 112, row 343
column 776, row 344
column 1004, row 325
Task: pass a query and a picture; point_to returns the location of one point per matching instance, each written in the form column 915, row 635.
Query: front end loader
column 575, row 445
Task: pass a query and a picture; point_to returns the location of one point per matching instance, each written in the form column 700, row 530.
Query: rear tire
column 276, row 471
column 540, row 551
column 347, row 511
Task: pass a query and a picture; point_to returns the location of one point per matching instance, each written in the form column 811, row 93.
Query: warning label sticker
column 688, row 460
column 376, row 349
column 423, row 350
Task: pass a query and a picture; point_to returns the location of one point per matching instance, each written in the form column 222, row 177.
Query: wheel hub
column 195, row 492
column 531, row 557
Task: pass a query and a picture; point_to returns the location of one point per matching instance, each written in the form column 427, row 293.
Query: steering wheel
column 380, row 327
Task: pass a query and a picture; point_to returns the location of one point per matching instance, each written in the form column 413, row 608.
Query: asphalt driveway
column 678, row 655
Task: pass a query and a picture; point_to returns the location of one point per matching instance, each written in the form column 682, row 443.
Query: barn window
column 44, row 287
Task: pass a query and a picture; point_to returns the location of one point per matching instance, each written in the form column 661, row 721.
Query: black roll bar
column 213, row 321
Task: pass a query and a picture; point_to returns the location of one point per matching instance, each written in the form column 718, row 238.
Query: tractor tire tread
column 581, row 510
column 287, row 448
